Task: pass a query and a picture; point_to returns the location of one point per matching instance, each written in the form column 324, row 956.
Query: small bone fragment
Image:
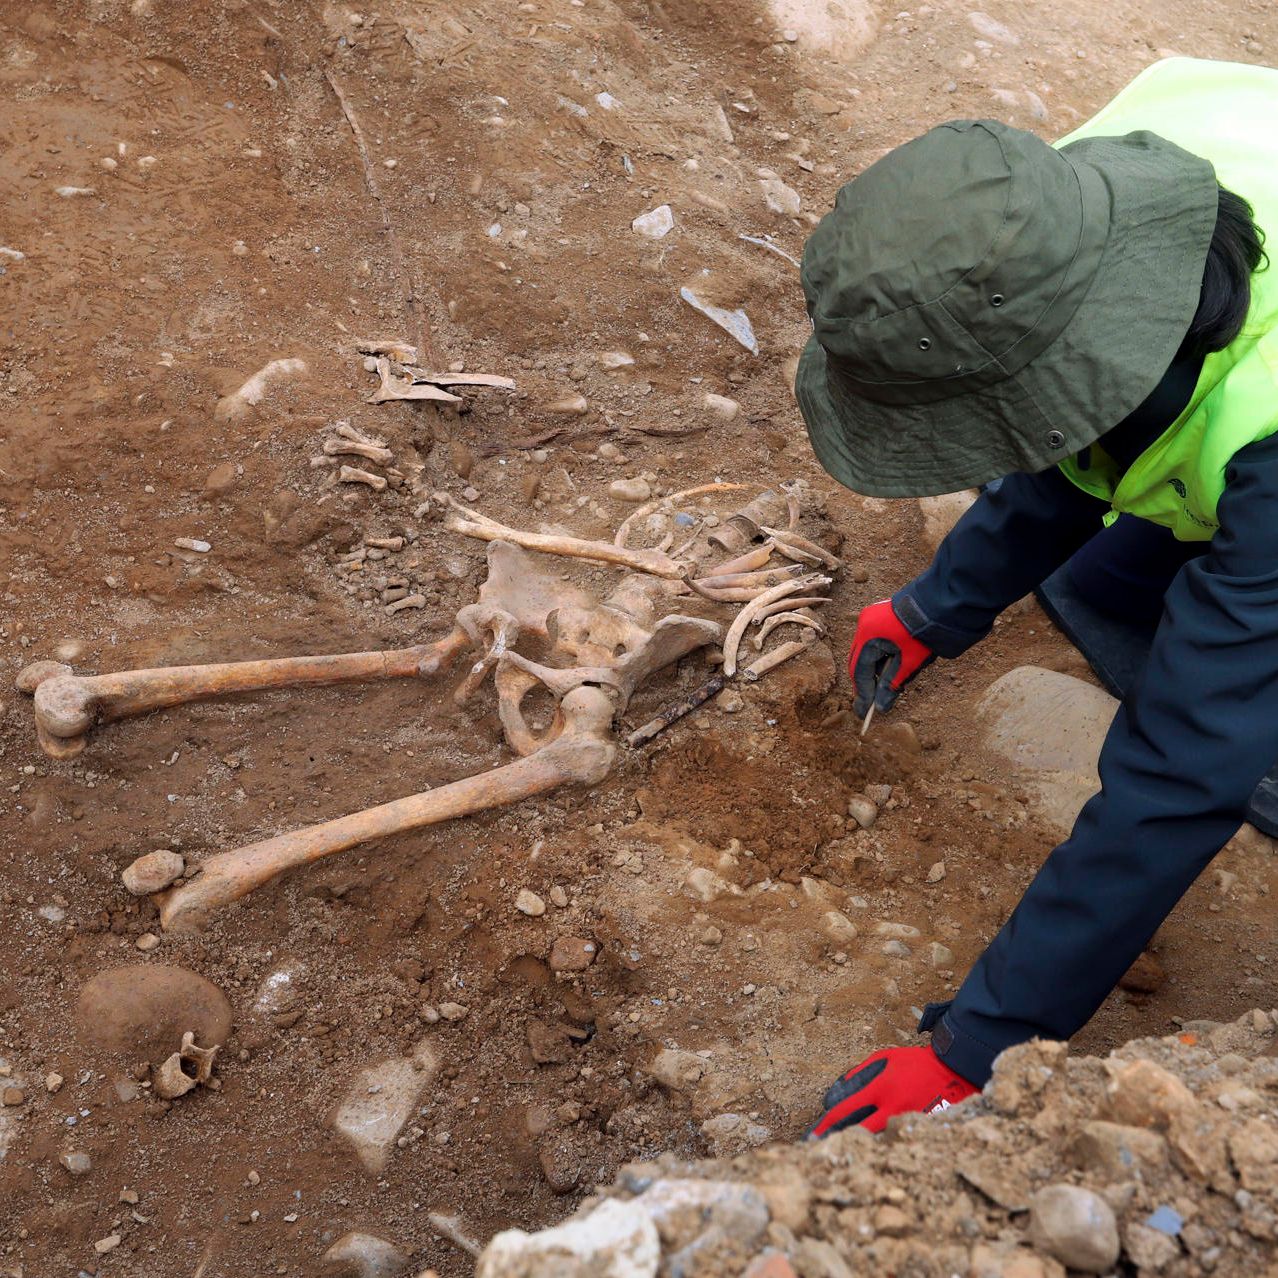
column 770, row 660
column 472, row 524
column 584, row 754
column 347, row 431
column 751, row 610
column 399, row 351
column 385, row 543
column 351, row 475
column 669, row 502
column 748, row 562
column 787, row 538
column 234, row 406
column 408, row 601
column 334, row 447
column 764, row 242
column 171, row 1080
column 192, row 543
column 780, row 619
column 450, row 1227
column 15, row 255
column 394, row 387
column 676, row 710
column 70, row 192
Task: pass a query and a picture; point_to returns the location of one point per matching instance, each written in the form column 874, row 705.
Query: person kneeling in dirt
column 1096, row 322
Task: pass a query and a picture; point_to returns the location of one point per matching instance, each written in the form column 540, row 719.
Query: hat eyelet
column 925, row 343
column 997, row 300
column 1055, row 439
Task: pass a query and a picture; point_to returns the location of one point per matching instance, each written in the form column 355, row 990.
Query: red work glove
column 884, row 658
column 900, row 1080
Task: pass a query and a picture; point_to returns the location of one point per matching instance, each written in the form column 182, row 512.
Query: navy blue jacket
column 1186, row 749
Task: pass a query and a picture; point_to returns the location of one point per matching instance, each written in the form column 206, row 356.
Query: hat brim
column 1105, row 362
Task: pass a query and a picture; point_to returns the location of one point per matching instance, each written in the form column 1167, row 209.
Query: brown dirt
column 1166, row 1150
column 251, row 236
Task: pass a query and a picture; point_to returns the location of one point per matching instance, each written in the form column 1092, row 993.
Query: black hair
column 1236, row 251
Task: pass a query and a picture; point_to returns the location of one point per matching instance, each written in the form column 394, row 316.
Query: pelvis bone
column 530, row 628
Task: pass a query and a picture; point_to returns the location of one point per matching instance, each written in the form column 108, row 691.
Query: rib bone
column 751, row 610
column 583, row 753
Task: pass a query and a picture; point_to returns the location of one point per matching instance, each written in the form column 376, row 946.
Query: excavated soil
column 1161, row 1158
column 223, row 220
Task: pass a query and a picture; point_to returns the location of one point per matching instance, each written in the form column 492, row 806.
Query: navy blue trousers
column 1126, row 569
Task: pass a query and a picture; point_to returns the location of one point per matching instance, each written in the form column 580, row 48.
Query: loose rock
column 380, row 1100
column 357, row 1255
column 615, row 1240
column 153, row 872
column 1076, row 1226
column 630, row 489
column 862, row 811
column 677, row 1070
column 530, row 903
column 76, row 1162
column 655, row 224
column 725, row 409
column 572, row 954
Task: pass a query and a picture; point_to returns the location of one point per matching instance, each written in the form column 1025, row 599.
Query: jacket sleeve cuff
column 965, row 1055
column 945, row 641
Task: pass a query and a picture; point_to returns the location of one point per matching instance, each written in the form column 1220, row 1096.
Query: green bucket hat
column 983, row 303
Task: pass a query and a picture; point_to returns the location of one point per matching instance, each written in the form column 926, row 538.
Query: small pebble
column 109, row 1243
column 147, row 942
column 558, row 897
column 453, row 1011
column 13, row 1096
column 153, row 872
column 654, row 224
column 862, row 811
column 52, row 1082
column 76, row 1162
column 530, row 903
column 723, row 408
column 630, row 489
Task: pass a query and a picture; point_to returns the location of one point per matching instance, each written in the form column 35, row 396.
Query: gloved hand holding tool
column 884, row 658
column 899, row 1080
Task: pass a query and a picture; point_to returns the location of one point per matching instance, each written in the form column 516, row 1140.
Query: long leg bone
column 68, row 705
column 472, row 524
column 583, row 753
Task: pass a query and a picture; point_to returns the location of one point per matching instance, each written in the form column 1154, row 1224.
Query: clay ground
column 233, row 226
